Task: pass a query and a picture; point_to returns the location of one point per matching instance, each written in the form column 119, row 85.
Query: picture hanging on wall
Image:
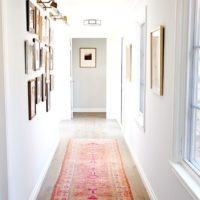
column 31, row 99
column 38, row 81
column 51, row 36
column 51, row 82
column 37, row 21
column 30, row 18
column 36, row 54
column 47, row 29
column 157, row 60
column 87, row 57
column 47, row 69
column 28, row 57
column 43, row 87
column 128, row 62
column 42, row 57
column 48, row 97
column 50, row 58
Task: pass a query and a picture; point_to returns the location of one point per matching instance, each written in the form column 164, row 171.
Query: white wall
column 89, row 86
column 152, row 148
column 30, row 144
column 3, row 141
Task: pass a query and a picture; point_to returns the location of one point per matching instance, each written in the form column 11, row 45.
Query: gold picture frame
column 31, row 99
column 157, row 60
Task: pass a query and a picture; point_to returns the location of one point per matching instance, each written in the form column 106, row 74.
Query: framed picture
column 36, row 54
column 41, row 24
column 87, row 57
column 38, row 81
column 43, row 57
column 31, row 99
column 157, row 60
column 51, row 36
column 28, row 57
column 128, row 62
column 43, row 87
column 47, row 29
column 30, row 18
column 51, row 82
column 48, row 97
column 50, row 58
column 37, row 21
column 47, row 66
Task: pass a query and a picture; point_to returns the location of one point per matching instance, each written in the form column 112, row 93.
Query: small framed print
column 47, row 69
column 31, row 99
column 37, row 21
column 47, row 29
column 43, row 87
column 87, row 57
column 51, row 82
column 36, row 54
column 157, row 60
column 128, row 62
column 51, row 36
column 43, row 57
column 50, row 58
column 28, row 57
column 48, row 97
column 38, row 81
column 30, row 18
column 41, row 28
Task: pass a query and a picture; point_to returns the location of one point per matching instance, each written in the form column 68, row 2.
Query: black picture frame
column 30, row 16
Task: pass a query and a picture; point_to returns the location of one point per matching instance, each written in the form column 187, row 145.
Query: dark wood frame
column 36, row 53
column 80, row 58
column 31, row 98
column 38, row 82
column 30, row 8
column 161, row 60
column 48, row 97
column 28, row 57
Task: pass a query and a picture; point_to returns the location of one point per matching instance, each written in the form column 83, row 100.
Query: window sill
column 186, row 178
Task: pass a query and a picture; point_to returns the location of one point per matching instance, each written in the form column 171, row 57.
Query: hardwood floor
column 92, row 125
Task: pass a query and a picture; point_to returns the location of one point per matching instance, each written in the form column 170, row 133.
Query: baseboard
column 85, row 110
column 142, row 173
column 39, row 183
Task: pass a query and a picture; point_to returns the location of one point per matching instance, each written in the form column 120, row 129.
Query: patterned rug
column 92, row 169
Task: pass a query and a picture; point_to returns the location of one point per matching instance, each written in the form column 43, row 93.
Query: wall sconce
column 58, row 17
column 47, row 4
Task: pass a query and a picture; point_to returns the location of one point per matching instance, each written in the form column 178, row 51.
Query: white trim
column 41, row 178
column 143, row 176
column 187, row 180
column 89, row 110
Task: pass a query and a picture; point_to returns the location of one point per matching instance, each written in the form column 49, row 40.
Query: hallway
column 89, row 126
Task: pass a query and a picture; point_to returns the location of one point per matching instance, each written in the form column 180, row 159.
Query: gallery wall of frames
column 39, row 62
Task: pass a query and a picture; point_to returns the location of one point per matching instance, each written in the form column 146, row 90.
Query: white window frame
column 183, row 58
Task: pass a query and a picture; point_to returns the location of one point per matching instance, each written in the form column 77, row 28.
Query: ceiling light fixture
column 92, row 22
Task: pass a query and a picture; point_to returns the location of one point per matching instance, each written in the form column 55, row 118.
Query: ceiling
column 106, row 10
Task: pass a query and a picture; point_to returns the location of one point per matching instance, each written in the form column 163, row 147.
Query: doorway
column 89, row 75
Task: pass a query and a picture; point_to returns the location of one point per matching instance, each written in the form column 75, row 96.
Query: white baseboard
column 89, row 110
column 39, row 183
column 142, row 173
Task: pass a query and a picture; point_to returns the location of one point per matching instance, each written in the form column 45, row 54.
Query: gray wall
column 89, row 88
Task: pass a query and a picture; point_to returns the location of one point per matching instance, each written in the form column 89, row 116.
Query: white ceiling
column 106, row 10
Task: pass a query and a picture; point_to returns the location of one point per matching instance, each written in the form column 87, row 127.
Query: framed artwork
column 50, row 58
column 28, row 57
column 48, row 97
column 47, row 29
column 42, row 57
column 30, row 18
column 36, row 54
column 128, row 62
column 157, row 60
column 43, row 87
column 41, row 24
column 51, row 82
column 47, row 66
column 87, row 57
column 37, row 21
column 31, row 99
column 38, row 81
column 51, row 36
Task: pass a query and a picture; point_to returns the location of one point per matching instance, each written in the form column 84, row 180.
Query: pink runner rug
column 91, row 170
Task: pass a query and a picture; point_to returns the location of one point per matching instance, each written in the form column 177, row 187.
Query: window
column 192, row 136
column 142, row 68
